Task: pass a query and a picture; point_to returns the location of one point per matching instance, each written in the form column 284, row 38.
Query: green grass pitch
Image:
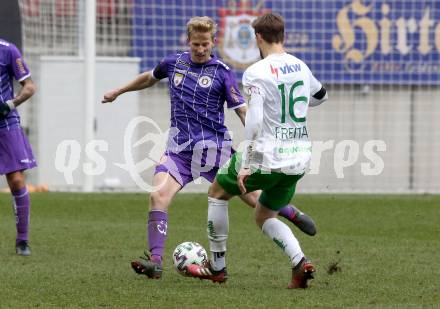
column 387, row 248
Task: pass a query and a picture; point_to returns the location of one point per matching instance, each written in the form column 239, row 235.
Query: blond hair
column 201, row 24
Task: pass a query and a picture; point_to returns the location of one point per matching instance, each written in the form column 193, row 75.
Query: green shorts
column 278, row 188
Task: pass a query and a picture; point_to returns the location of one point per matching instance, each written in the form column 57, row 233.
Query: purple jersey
column 12, row 66
column 197, row 94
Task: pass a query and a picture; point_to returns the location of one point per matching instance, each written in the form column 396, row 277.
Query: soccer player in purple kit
column 15, row 151
column 199, row 84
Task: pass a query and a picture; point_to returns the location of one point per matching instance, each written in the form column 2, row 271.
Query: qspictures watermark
column 346, row 153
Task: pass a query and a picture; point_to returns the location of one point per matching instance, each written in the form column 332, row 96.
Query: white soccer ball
column 188, row 253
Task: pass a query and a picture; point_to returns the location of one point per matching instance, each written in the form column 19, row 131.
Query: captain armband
column 318, row 97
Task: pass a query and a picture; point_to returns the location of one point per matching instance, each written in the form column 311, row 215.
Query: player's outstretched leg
column 218, row 227
column 301, row 274
column 301, row 220
column 283, row 237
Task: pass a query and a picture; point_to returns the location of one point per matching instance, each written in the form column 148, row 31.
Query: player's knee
column 216, row 191
column 251, row 198
column 159, row 200
column 212, row 190
column 16, row 181
column 260, row 218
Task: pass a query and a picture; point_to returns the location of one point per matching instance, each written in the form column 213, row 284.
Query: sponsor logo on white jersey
column 285, row 69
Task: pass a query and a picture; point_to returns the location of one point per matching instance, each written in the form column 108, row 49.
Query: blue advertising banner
column 343, row 42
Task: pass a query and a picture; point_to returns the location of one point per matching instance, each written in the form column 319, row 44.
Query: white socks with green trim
column 218, row 226
column 282, row 235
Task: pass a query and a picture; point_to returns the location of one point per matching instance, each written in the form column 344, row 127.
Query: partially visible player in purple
column 15, row 152
column 199, row 84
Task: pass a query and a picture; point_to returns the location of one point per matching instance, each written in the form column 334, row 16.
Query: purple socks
column 288, row 212
column 22, row 213
column 157, row 233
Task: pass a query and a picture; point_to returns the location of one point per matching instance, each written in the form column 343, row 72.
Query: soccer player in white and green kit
column 279, row 89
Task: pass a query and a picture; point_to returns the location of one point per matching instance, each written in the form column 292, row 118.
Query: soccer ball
column 188, row 253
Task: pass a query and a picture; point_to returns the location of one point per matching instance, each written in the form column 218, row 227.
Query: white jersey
column 285, row 85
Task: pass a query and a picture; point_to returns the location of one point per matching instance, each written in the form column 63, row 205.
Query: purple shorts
column 185, row 167
column 15, row 151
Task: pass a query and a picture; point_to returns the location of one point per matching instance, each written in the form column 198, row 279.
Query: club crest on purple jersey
column 205, row 81
column 177, row 79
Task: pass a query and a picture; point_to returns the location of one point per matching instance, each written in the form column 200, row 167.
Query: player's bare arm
column 27, row 89
column 241, row 113
column 254, row 120
column 144, row 80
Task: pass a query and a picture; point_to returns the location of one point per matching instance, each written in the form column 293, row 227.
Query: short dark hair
column 270, row 26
